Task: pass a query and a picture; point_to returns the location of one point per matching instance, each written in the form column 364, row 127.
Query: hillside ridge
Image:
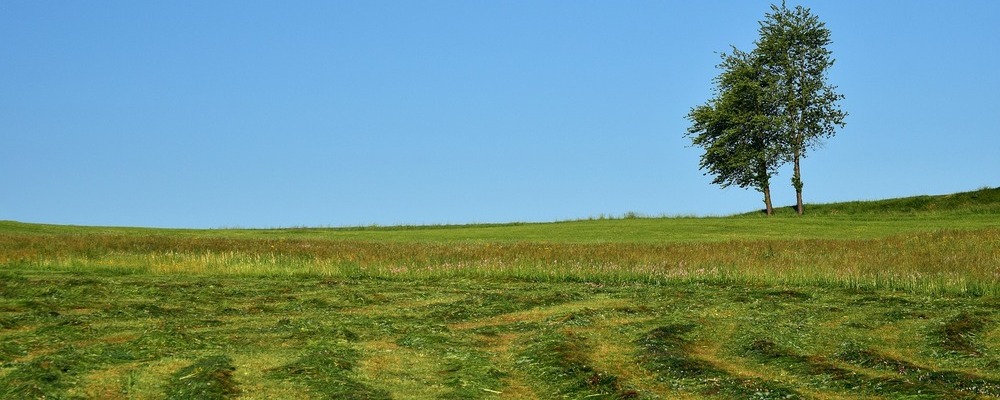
column 984, row 201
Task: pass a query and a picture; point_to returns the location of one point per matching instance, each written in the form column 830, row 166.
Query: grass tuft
column 207, row 378
column 665, row 351
column 328, row 370
column 560, row 362
column 46, row 376
column 958, row 382
column 958, row 334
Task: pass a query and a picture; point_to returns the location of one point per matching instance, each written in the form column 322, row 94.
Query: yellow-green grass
column 183, row 336
column 932, row 261
column 895, row 299
column 637, row 230
column 853, row 220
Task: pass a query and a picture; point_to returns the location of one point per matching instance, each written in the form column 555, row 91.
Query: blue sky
column 273, row 113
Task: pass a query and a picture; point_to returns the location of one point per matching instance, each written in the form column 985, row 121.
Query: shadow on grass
column 328, row 371
column 207, row 378
column 958, row 334
column 666, row 351
column 561, row 362
column 953, row 380
column 910, row 380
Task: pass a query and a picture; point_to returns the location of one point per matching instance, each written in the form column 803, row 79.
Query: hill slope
column 894, row 304
column 982, row 201
column 851, row 220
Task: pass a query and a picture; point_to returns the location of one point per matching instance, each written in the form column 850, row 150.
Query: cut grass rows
column 899, row 298
column 129, row 336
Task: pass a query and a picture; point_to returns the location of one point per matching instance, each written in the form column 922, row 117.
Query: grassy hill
column 888, row 299
column 984, row 201
column 929, row 243
column 849, row 220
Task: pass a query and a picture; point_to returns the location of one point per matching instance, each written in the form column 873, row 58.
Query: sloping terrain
column 891, row 299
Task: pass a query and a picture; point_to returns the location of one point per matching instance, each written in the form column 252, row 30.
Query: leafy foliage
column 771, row 105
column 793, row 44
column 738, row 128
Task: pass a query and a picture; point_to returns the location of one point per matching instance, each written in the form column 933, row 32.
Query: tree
column 793, row 45
column 738, row 128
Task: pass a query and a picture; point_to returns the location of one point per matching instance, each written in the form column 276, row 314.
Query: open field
column 899, row 298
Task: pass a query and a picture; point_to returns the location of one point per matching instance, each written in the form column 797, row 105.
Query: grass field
column 888, row 299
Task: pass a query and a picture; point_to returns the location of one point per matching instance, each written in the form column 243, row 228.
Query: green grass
column 984, row 201
column 182, row 336
column 890, row 299
column 855, row 220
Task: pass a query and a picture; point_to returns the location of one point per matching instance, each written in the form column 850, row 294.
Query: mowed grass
column 891, row 299
column 158, row 336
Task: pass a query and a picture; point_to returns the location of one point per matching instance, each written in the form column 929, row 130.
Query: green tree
column 793, row 45
column 738, row 128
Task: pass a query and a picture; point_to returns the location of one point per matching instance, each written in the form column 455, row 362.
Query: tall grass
column 956, row 261
column 645, row 231
column 945, row 243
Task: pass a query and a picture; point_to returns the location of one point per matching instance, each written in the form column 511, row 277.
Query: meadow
column 882, row 299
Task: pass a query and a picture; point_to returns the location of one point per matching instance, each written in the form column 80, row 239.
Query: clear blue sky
column 316, row 113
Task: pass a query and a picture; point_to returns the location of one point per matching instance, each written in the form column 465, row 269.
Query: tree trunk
column 797, row 183
column 767, row 201
column 798, row 200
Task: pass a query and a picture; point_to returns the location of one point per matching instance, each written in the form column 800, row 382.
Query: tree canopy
column 771, row 105
column 737, row 127
column 793, row 44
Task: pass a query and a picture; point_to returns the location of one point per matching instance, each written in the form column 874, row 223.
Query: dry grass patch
column 251, row 372
column 501, row 347
column 148, row 380
column 401, row 371
column 616, row 355
column 539, row 314
column 105, row 384
column 391, row 308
